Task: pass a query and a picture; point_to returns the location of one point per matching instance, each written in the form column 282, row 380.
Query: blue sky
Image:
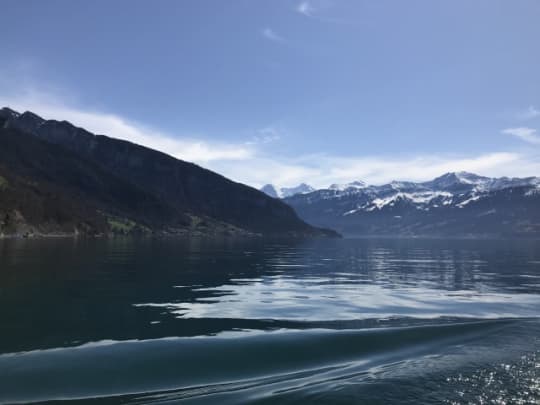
column 320, row 91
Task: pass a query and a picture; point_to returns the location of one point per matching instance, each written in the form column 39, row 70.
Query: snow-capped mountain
column 454, row 203
column 285, row 192
column 355, row 185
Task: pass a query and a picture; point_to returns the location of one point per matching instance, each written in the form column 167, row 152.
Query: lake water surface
column 263, row 321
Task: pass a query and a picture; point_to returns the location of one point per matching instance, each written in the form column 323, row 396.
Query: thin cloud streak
column 264, row 136
column 314, row 10
column 271, row 35
column 525, row 134
column 530, row 113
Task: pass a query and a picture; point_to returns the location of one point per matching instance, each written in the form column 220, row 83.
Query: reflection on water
column 142, row 298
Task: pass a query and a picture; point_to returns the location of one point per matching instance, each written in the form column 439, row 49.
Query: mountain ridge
column 190, row 199
column 454, row 204
column 441, row 182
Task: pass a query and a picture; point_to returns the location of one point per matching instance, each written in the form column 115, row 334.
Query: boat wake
column 318, row 364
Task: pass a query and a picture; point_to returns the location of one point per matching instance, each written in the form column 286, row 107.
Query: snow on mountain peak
column 284, row 192
column 455, row 180
column 342, row 187
column 471, row 178
column 300, row 189
column 449, row 184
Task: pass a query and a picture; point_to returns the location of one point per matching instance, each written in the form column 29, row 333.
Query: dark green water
column 323, row 321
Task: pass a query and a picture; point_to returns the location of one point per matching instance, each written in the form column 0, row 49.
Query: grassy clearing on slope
column 125, row 226
column 3, row 183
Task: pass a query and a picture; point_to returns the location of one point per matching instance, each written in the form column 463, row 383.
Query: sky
column 283, row 92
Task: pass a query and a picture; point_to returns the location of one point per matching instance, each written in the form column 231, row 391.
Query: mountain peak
column 470, row 177
column 300, row 189
column 31, row 115
column 457, row 179
column 26, row 122
column 461, row 175
column 340, row 187
column 7, row 112
column 283, row 192
column 270, row 190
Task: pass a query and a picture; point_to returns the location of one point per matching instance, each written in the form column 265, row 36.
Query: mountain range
column 455, row 204
column 59, row 179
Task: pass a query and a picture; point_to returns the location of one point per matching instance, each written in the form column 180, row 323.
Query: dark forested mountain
column 455, row 204
column 58, row 178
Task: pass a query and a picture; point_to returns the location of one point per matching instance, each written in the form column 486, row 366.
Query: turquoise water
column 264, row 321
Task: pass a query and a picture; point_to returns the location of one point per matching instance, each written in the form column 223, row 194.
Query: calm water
column 336, row 321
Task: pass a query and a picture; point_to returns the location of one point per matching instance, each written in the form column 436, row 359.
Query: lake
column 267, row 321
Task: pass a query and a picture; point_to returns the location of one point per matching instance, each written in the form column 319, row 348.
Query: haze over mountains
column 454, row 204
column 56, row 178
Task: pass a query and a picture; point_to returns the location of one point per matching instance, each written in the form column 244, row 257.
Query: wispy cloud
column 525, row 134
column 306, row 8
column 271, row 35
column 318, row 10
column 530, row 113
column 191, row 148
column 265, row 135
column 252, row 163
